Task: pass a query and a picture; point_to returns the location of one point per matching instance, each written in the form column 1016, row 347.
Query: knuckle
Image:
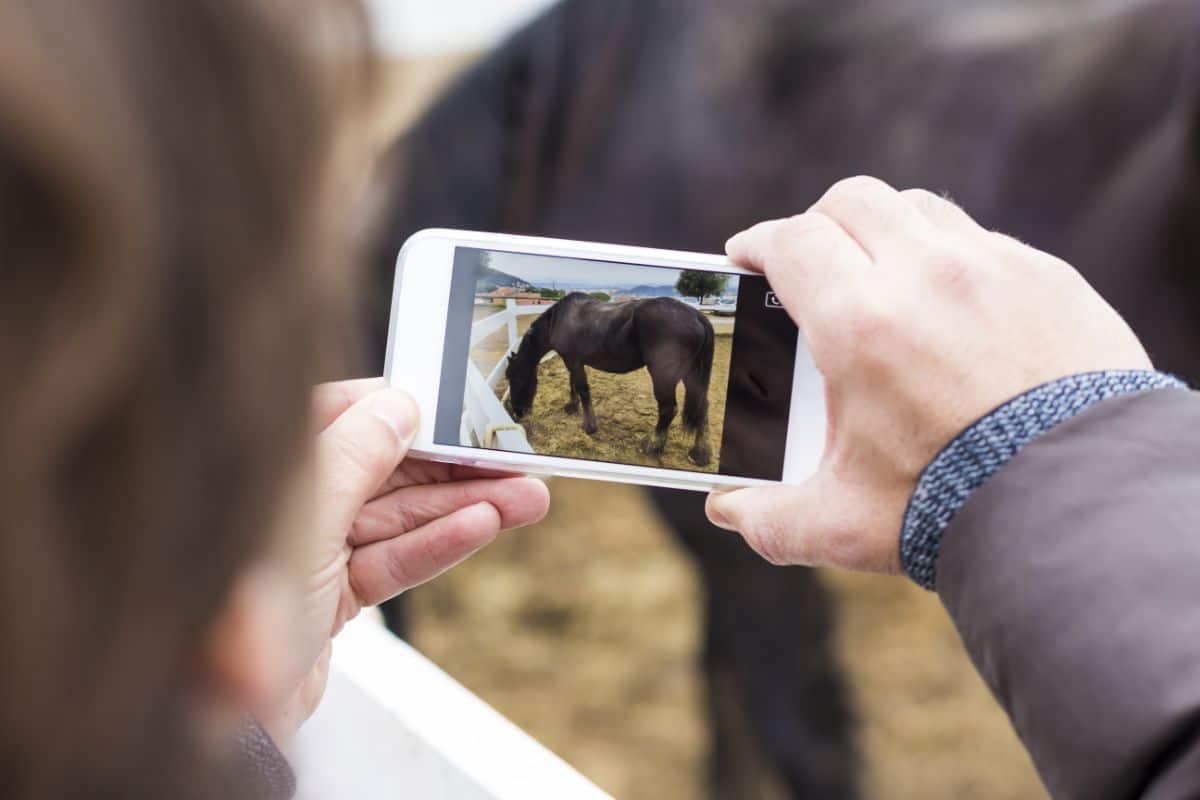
column 374, row 450
column 357, row 460
column 772, row 540
column 792, row 234
column 922, row 198
column 856, row 186
column 950, row 270
column 405, row 517
column 402, row 574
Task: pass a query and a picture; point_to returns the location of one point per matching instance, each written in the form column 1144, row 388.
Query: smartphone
column 601, row 361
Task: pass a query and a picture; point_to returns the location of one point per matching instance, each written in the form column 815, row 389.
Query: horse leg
column 695, row 403
column 579, row 388
column 781, row 710
column 695, row 416
column 572, row 406
column 664, row 395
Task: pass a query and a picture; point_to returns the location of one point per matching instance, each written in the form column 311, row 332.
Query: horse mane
column 536, row 341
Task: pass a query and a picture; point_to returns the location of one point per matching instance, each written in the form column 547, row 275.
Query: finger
column 942, row 212
column 330, row 400
column 874, row 214
column 384, row 569
column 817, row 523
column 808, row 259
column 416, row 472
column 519, row 501
column 359, row 452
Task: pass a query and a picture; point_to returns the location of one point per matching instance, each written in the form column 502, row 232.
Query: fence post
column 510, row 306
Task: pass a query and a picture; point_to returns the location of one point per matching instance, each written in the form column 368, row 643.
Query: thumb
column 819, row 523
column 359, row 451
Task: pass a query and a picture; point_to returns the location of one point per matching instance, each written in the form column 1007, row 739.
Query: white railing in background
column 391, row 724
column 485, row 420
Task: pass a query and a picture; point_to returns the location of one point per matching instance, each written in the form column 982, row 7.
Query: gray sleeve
column 1073, row 576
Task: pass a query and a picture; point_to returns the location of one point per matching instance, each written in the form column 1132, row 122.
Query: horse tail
column 695, row 383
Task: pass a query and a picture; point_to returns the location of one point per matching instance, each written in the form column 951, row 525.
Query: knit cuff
column 263, row 770
column 982, row 449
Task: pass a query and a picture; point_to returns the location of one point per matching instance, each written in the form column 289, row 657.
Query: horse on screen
column 672, row 340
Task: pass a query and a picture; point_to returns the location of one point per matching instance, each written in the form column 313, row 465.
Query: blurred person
column 1073, row 125
column 184, row 529
column 998, row 432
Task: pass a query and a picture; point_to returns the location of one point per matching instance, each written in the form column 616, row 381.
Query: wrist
column 984, row 447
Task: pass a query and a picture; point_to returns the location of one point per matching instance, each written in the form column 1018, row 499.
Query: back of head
column 169, row 295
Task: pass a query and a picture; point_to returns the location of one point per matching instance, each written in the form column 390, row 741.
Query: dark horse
column 674, row 123
column 672, row 340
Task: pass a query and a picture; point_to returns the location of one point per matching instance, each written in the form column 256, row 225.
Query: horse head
column 521, row 374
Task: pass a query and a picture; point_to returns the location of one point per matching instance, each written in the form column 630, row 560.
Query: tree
column 693, row 283
column 552, row 294
column 605, row 296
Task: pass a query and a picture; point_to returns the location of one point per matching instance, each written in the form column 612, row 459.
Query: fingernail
column 397, row 409
column 717, row 515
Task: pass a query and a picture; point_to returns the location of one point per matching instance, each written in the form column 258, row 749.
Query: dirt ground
column 626, row 413
column 584, row 631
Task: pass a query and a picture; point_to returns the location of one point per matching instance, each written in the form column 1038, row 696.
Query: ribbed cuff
column 263, row 769
column 981, row 450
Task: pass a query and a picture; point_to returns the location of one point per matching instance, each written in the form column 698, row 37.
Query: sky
column 424, row 27
column 546, row 271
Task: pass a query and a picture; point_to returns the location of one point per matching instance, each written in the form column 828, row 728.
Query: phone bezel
column 420, row 302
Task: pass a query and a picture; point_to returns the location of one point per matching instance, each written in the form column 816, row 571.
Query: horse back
column 595, row 333
column 670, row 333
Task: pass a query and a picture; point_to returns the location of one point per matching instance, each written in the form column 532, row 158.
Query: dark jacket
column 1073, row 576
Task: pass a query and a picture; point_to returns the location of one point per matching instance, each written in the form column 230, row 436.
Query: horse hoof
column 571, row 408
column 652, row 448
column 590, row 428
column 700, row 456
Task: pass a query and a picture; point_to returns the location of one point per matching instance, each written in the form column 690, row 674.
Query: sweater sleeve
column 1073, row 577
column 263, row 771
column 977, row 453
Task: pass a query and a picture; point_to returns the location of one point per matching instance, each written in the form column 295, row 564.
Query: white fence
column 485, row 421
column 392, row 724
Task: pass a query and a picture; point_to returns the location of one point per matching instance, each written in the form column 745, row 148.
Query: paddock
column 624, row 404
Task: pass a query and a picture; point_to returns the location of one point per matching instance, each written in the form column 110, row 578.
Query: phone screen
column 616, row 362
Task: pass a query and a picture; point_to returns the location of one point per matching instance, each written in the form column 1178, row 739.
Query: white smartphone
column 601, row 361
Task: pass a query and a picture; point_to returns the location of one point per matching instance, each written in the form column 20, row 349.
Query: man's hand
column 384, row 523
column 921, row 321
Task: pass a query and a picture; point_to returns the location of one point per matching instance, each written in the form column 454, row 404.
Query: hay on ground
column 626, row 413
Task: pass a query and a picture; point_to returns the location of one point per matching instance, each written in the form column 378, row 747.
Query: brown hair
column 169, row 293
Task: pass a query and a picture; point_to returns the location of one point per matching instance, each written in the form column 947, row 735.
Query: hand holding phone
column 922, row 321
column 601, row 361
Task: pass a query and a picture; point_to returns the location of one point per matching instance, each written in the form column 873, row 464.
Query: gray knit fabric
column 264, row 771
column 986, row 446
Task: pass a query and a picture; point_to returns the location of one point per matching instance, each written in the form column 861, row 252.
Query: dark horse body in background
column 672, row 340
column 674, row 123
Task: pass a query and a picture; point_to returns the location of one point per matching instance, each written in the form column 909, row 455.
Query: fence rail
column 392, row 724
column 486, row 423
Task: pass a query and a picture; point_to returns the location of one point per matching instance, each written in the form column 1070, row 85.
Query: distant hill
column 498, row 279
column 651, row 291
column 489, row 277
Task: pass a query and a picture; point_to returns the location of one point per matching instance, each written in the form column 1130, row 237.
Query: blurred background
column 588, row 630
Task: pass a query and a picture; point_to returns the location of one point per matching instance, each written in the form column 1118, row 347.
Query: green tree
column 693, row 283
column 552, row 294
column 605, row 296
